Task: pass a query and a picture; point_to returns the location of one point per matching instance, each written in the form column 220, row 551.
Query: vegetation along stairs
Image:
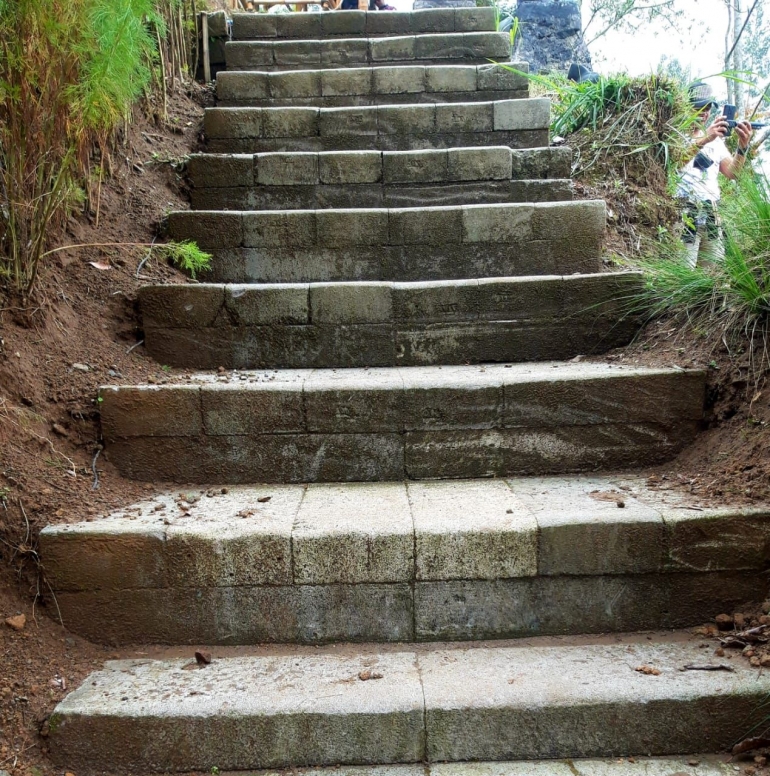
column 405, row 449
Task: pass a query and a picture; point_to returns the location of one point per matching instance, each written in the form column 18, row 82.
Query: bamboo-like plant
column 69, row 74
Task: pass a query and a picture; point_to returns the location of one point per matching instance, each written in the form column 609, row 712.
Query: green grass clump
column 70, row 73
column 187, row 256
column 730, row 299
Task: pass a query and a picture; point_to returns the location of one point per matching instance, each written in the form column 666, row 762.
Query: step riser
column 377, row 427
column 373, row 179
column 372, row 86
column 459, row 165
column 318, row 326
column 388, row 457
column 409, row 263
column 363, row 100
column 526, row 138
column 423, row 611
column 446, row 705
column 349, row 23
column 269, row 347
column 500, row 240
column 379, row 195
column 515, row 123
column 470, row 48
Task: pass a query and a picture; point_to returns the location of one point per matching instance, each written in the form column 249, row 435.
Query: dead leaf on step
column 749, row 744
column 648, row 670
column 202, row 658
column 608, row 495
column 365, row 676
column 99, row 265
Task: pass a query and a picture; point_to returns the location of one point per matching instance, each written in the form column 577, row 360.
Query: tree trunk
column 728, row 45
column 738, row 53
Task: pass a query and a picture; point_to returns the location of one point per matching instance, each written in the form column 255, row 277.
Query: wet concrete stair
column 419, row 561
column 331, row 87
column 252, row 326
column 374, row 179
column 480, row 702
column 519, row 123
column 401, row 423
column 396, row 258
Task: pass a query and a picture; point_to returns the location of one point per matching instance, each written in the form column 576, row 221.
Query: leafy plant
column 731, row 298
column 69, row 73
column 187, row 256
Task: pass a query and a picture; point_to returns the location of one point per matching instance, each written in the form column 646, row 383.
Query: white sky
column 702, row 48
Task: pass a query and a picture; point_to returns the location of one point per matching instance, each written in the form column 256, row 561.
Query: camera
column 728, row 112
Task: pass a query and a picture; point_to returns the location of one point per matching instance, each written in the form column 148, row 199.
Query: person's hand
column 718, row 128
column 744, row 131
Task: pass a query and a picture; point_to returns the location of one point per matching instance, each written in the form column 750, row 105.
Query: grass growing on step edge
column 728, row 299
column 629, row 136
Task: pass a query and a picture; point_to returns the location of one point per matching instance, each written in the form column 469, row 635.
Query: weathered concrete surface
column 520, row 123
column 573, row 702
column 401, row 423
column 438, row 243
column 373, row 179
column 707, row 765
column 473, row 703
column 430, row 560
column 249, row 26
column 386, row 324
column 352, row 86
column 243, row 713
column 339, row 52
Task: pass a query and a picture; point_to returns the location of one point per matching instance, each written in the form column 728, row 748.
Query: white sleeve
column 721, row 151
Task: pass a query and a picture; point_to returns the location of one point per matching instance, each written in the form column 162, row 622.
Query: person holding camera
column 699, row 179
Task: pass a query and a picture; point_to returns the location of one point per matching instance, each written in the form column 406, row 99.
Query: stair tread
column 396, row 378
column 357, row 85
column 350, row 533
column 249, row 26
column 685, row 765
column 308, row 707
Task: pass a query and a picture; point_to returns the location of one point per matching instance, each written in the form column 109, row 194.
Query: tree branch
column 738, row 37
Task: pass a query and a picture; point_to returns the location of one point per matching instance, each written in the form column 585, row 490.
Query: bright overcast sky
column 702, row 48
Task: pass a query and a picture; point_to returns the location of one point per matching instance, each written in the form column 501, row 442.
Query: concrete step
column 333, row 87
column 205, row 326
column 347, row 24
column 428, row 243
column 303, row 707
column 345, row 179
column 401, row 422
column 478, row 48
column 410, row 561
column 515, row 123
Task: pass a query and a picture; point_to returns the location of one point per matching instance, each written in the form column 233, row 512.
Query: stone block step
column 333, row 87
column 515, row 123
column 468, row 48
column 345, row 179
column 301, row 707
column 346, row 24
column 422, row 561
column 401, row 423
column 205, row 326
column 428, row 243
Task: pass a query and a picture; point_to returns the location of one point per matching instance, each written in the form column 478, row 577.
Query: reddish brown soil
column 49, row 415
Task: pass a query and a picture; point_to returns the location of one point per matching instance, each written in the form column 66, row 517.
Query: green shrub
column 69, row 73
column 729, row 299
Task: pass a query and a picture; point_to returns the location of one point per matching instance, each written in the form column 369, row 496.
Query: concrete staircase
column 396, row 423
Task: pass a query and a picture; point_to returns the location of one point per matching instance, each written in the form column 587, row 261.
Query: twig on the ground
column 95, row 485
column 135, row 345
column 146, row 258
